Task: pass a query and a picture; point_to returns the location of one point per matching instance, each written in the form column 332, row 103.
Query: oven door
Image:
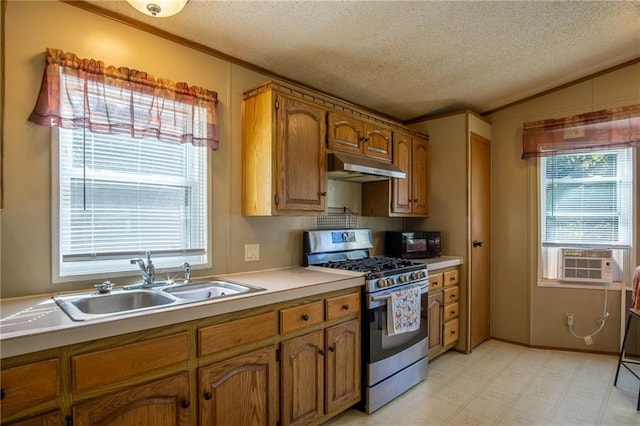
column 377, row 344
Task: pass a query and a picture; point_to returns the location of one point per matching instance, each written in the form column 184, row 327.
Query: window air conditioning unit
column 586, row 265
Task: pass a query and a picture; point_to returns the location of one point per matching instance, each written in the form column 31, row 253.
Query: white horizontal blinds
column 120, row 195
column 586, row 199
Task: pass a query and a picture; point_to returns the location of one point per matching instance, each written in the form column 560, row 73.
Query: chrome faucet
column 187, row 272
column 148, row 270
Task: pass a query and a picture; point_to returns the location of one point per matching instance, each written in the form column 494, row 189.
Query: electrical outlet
column 251, row 252
column 569, row 320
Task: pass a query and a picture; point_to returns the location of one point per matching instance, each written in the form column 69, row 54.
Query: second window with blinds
column 586, row 209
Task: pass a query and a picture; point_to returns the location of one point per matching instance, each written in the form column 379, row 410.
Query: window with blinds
column 586, row 200
column 118, row 196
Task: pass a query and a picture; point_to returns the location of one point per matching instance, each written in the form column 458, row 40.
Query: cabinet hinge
column 68, row 421
column 276, row 199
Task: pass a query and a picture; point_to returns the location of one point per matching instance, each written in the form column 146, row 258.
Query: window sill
column 617, row 285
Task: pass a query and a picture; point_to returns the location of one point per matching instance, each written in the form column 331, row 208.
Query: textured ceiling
column 408, row 59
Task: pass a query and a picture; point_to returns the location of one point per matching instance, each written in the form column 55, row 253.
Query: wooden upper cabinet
column 284, row 156
column 345, row 133
column 402, row 188
column 349, row 134
column 420, row 170
column 377, row 142
column 402, row 197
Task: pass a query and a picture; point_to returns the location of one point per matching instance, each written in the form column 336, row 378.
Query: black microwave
column 412, row 245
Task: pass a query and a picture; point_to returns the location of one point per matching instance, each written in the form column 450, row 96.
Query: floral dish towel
column 403, row 311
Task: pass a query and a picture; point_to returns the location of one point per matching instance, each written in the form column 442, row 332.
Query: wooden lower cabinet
column 162, row 402
column 239, row 391
column 320, row 373
column 302, row 379
column 221, row 370
column 342, row 365
column 434, row 314
column 444, row 310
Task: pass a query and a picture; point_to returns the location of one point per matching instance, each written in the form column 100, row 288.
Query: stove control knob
column 380, row 283
column 403, row 278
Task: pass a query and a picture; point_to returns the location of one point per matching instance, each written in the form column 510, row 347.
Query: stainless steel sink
column 84, row 306
column 88, row 306
column 203, row 290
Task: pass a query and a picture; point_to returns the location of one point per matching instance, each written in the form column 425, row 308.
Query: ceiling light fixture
column 158, row 8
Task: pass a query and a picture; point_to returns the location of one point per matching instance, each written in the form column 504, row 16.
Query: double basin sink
column 94, row 305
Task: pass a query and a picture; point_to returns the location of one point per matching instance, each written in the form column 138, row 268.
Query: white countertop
column 34, row 323
column 440, row 262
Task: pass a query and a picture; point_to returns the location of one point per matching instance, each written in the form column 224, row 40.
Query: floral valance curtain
column 84, row 93
column 606, row 129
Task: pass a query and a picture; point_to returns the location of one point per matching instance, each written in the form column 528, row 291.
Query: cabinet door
column 343, row 365
column 301, row 156
column 164, row 402
column 377, row 142
column 420, row 185
column 401, row 188
column 434, row 314
column 345, row 133
column 239, row 391
column 302, row 370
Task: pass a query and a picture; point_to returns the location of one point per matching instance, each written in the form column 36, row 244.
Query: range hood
column 353, row 168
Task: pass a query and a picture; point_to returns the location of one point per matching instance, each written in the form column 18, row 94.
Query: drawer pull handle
column 208, row 395
column 331, row 349
column 453, row 296
column 345, row 306
column 185, row 403
column 452, row 279
column 452, row 333
column 321, row 352
column 452, row 312
column 305, row 317
column 2, row 394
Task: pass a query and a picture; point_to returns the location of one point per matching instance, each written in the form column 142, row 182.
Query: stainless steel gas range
column 391, row 363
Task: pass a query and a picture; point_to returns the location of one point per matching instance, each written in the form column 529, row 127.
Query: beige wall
column 450, row 138
column 31, row 27
column 522, row 311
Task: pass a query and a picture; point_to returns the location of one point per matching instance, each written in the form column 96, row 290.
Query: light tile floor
column 505, row 384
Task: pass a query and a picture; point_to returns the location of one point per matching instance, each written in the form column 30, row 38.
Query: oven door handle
column 423, row 289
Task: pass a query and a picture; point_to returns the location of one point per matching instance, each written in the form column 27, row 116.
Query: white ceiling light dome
column 158, row 8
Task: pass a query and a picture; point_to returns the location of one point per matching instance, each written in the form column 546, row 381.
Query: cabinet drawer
column 451, row 311
column 450, row 332
column 451, row 294
column 116, row 364
column 435, row 282
column 221, row 337
column 451, row 278
column 29, row 384
column 301, row 316
column 341, row 306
